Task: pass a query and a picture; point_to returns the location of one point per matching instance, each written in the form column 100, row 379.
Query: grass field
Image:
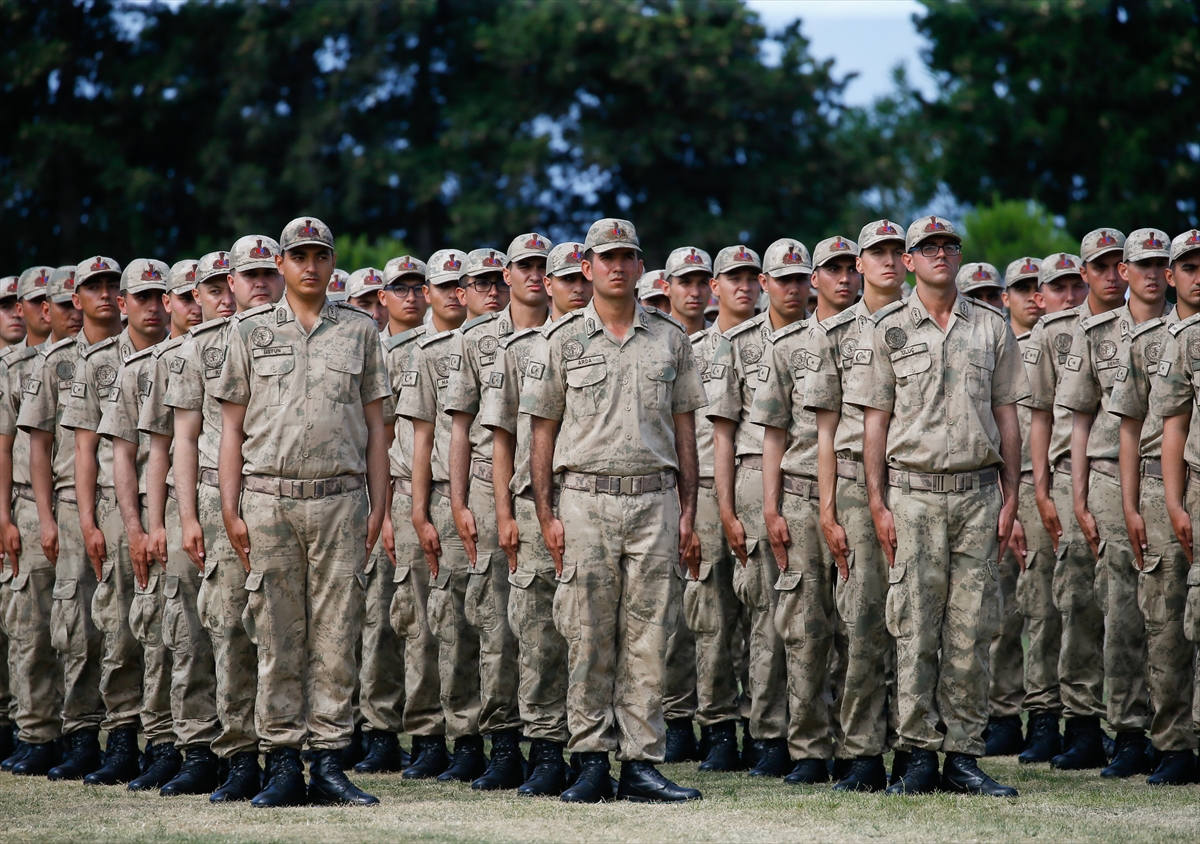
column 1053, row 806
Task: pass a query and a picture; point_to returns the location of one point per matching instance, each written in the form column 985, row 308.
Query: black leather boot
column 329, row 785
column 383, row 755
column 285, row 779
column 549, row 774
column 244, row 781
column 752, row 749
column 122, row 759
column 355, row 751
column 900, row 760
column 1132, row 756
column 1045, row 742
column 681, row 741
column 920, row 775
column 165, row 762
column 808, row 772
column 1178, row 767
column 722, row 748
column 961, row 775
column 506, row 769
column 773, row 759
column 199, row 774
column 37, row 760
column 592, row 783
column 1004, row 737
column 866, row 773
column 8, row 740
column 17, row 754
column 1083, row 746
column 641, row 782
column 81, row 756
column 429, row 758
column 468, row 763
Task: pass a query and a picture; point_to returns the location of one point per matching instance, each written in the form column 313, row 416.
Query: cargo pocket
column 1029, row 583
column 1191, row 611
column 439, row 610
column 177, row 633
column 403, row 611
column 1073, row 587
column 480, row 601
column 254, row 606
column 1100, row 583
column 208, row 600
column 566, row 604
column 699, row 615
column 145, row 615
column 898, row 612
column 1152, row 599
column 19, row 582
column 106, row 612
column 67, row 634
column 990, row 604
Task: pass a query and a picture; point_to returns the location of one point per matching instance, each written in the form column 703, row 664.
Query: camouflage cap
column 689, row 259
column 445, row 266
column 652, row 284
column 61, row 285
column 34, row 281
column 734, row 257
column 1184, row 243
column 364, row 281
column 786, row 256
column 565, row 259
column 335, row 291
column 144, row 274
column 1144, row 244
column 927, row 227
column 215, row 266
column 878, row 232
column 977, row 275
column 611, row 233
column 1095, row 243
column 480, row 261
column 833, row 247
column 303, row 231
column 89, row 268
column 254, row 252
column 402, row 266
column 182, row 277
column 8, row 286
column 1059, row 265
column 525, row 245
column 1021, row 269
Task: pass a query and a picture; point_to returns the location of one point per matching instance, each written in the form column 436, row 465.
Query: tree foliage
column 1006, row 230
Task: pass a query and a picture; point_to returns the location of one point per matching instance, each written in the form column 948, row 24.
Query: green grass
column 1053, row 806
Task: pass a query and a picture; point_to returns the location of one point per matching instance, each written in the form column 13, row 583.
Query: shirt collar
column 918, row 313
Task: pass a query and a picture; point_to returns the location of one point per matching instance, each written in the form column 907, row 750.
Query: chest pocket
column 912, row 373
column 342, row 379
column 658, row 383
column 1108, row 372
column 271, row 376
column 587, row 386
column 980, row 365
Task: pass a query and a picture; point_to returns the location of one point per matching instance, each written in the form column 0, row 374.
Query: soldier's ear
column 907, row 260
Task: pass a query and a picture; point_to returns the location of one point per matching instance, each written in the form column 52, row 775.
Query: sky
column 867, row 36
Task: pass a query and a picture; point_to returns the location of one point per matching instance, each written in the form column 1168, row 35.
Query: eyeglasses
column 930, row 250
column 481, row 286
column 403, row 291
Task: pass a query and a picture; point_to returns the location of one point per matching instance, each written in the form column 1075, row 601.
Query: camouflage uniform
column 944, row 590
column 304, row 501
column 617, row 597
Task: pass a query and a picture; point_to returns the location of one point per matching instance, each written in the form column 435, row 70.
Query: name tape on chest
column 590, row 360
column 272, row 351
column 908, row 352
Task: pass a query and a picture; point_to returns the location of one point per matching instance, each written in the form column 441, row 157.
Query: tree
column 1006, row 230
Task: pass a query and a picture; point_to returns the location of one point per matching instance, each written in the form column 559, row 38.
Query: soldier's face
column 1103, row 277
column 569, row 292
column 1023, row 303
column 370, row 303
column 65, row 319
column 405, row 300
column 252, row 288
column 527, row 280
column 147, row 315
column 216, row 299
column 36, row 317
column 97, row 297
column 443, row 298
column 882, row 265
column 1184, row 276
column 307, row 269
column 12, row 324
column 689, row 294
column 990, row 296
column 938, row 271
column 614, row 273
column 483, row 293
column 838, row 282
column 1064, row 292
column 663, row 303
column 788, row 294
column 184, row 310
column 737, row 291
column 1147, row 279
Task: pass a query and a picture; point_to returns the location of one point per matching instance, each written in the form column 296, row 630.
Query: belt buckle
column 630, row 486
column 939, row 483
column 318, row 489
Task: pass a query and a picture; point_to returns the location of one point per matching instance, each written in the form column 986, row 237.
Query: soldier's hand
column 374, row 528
column 780, row 538
column 1181, row 522
column 12, row 546
column 156, row 545
column 1004, row 527
column 689, row 553
column 430, row 544
column 1087, row 524
column 510, row 539
column 193, row 543
column 1018, row 544
column 1137, row 538
column 464, row 523
column 97, row 550
column 552, row 532
column 885, row 529
column 839, row 546
column 735, row 534
column 49, row 539
column 1049, row 514
column 140, row 559
column 239, row 538
column 389, row 538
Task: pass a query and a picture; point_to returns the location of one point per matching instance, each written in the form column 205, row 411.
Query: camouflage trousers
column 193, row 671
column 36, row 679
column 1117, row 595
column 1081, row 654
column 1162, row 596
column 422, row 714
column 304, row 614
column 542, row 691
column 860, row 604
column 73, row 634
column 616, row 602
column 679, row 692
column 486, row 609
column 943, row 608
column 1191, row 610
column 381, row 664
column 712, row 612
column 805, row 620
column 146, row 624
column 220, row 604
column 458, row 641
column 8, row 653
column 754, row 585
column 1007, row 690
column 1035, row 602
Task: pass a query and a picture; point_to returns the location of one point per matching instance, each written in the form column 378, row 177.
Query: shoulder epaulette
column 1024, row 336
column 991, row 308
column 547, row 330
column 1099, row 319
column 168, row 344
column 840, row 318
column 1143, row 327
column 210, row 325
column 656, row 312
column 403, row 337
column 433, row 338
column 791, row 328
column 346, row 306
column 1057, row 315
column 146, row 352
column 95, row 347
column 479, row 320
column 889, row 308
column 1182, row 324
column 7, row 351
column 47, row 348
column 741, row 327
column 261, row 309
column 507, row 339
column 25, row 354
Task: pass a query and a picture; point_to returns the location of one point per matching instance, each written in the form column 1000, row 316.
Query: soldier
column 52, row 467
column 363, row 290
column 336, row 291
column 612, row 407
column 11, row 326
column 34, row 673
column 226, row 283
column 12, row 322
column 652, row 291
column 568, row 287
column 1080, row 663
column 1171, row 593
column 1093, row 368
column 303, row 452
column 845, row 516
column 950, row 452
column 423, row 717
column 737, row 441
column 805, row 615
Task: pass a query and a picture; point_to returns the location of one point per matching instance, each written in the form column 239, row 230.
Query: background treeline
column 169, row 130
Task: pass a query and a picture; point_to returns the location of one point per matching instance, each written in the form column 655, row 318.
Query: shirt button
column 629, row 436
column 308, row 425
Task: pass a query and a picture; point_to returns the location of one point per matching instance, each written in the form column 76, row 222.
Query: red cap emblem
column 1195, row 238
column 453, row 264
column 191, row 274
column 222, row 261
column 1152, row 242
column 693, row 258
column 372, row 280
column 886, row 228
column 576, row 257
column 406, row 264
column 100, row 264
column 1064, row 263
column 1029, row 267
column 260, row 251
column 336, row 284
column 934, row 225
column 492, row 261
column 307, row 230
column 981, row 274
column 792, row 256
column 535, row 242
column 42, row 279
column 742, row 255
column 151, row 273
column 838, row 245
column 1105, row 239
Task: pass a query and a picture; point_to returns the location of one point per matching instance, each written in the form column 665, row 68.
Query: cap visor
column 256, row 265
column 61, row 299
column 736, row 265
column 309, row 242
column 609, row 247
column 790, row 269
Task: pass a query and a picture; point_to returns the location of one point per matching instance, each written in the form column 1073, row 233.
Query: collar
column 593, row 325
column 918, row 313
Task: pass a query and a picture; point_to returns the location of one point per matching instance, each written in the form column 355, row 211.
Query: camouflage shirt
column 399, row 351
column 46, row 391
column 1173, row 389
column 1131, row 397
column 833, row 343
column 779, row 399
column 194, row 368
column 423, row 392
column 16, row 369
column 502, row 401
column 156, row 416
column 705, row 345
column 476, row 344
column 124, row 405
column 734, row 373
column 1024, row 411
column 95, row 379
column 1045, row 357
